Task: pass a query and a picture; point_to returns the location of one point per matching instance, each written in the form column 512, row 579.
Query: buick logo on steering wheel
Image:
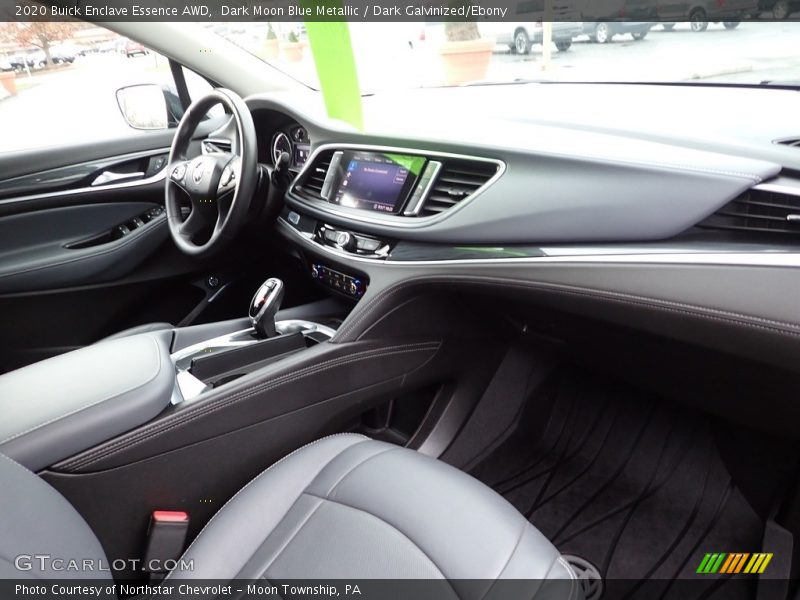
column 199, row 171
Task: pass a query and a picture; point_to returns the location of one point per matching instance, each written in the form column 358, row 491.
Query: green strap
column 336, row 66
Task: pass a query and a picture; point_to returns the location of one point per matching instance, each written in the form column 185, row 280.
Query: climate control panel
column 354, row 287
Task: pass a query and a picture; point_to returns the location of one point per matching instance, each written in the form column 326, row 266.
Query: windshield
column 411, row 55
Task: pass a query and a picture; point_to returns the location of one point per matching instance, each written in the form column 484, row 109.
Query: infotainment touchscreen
column 376, row 181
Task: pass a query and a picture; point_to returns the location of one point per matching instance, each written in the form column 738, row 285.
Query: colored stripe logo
column 733, row 563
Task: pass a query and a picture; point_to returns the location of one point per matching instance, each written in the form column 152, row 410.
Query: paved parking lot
column 78, row 102
column 751, row 53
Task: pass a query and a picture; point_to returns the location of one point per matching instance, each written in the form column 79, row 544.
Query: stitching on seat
column 294, row 535
column 321, row 471
column 350, row 471
column 92, row 404
column 508, row 561
column 397, row 529
column 257, row 477
column 181, row 418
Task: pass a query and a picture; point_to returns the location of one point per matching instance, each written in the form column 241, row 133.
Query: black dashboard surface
column 591, row 212
column 608, row 171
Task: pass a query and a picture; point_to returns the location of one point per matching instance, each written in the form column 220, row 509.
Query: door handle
column 107, row 177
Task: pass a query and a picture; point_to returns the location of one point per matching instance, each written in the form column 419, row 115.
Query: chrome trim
column 107, row 177
column 306, row 327
column 189, row 387
column 413, row 211
column 183, row 358
column 597, row 254
column 160, row 176
column 780, row 185
column 99, row 164
column 327, row 183
column 391, row 220
column 273, row 142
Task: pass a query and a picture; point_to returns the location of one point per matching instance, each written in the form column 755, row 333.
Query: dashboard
column 685, row 223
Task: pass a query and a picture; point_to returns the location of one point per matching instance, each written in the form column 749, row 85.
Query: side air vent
column 758, row 211
column 795, row 141
column 311, row 185
column 457, row 180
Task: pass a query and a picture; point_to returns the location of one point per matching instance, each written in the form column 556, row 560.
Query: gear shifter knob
column 264, row 305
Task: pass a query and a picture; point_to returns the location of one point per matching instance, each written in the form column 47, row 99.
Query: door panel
column 74, row 245
column 67, row 168
column 80, row 261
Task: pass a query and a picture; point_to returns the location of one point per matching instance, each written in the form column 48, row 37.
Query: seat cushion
column 41, row 535
column 348, row 507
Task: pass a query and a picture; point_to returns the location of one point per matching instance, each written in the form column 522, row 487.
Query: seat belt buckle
column 166, row 537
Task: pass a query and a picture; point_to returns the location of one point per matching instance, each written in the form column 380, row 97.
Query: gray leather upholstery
column 61, row 406
column 35, row 521
column 350, row 507
column 344, row 507
column 146, row 328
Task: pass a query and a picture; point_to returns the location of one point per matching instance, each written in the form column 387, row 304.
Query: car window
column 199, row 86
column 65, row 91
column 724, row 44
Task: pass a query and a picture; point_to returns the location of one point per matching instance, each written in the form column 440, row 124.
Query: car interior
column 539, row 345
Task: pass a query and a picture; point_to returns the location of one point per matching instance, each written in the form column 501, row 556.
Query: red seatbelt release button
column 166, row 538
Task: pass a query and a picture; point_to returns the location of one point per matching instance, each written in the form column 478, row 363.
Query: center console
column 353, row 204
column 58, row 407
column 211, row 363
column 70, row 403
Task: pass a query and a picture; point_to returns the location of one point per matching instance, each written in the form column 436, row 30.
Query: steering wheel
column 219, row 185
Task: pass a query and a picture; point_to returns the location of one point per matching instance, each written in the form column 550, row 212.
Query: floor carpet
column 634, row 485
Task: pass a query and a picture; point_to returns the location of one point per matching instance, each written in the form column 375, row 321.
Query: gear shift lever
column 264, row 305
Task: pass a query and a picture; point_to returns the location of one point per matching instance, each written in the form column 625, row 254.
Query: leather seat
column 344, row 507
column 146, row 328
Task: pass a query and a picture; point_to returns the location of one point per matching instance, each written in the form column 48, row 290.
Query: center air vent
column 457, row 180
column 758, row 211
column 315, row 178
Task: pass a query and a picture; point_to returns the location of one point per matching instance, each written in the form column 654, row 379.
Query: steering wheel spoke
column 194, row 224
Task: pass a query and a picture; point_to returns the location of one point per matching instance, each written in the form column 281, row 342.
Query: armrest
column 70, row 403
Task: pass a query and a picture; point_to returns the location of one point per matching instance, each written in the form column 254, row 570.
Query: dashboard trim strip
column 600, row 255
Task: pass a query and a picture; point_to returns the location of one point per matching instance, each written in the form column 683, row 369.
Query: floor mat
column 631, row 484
